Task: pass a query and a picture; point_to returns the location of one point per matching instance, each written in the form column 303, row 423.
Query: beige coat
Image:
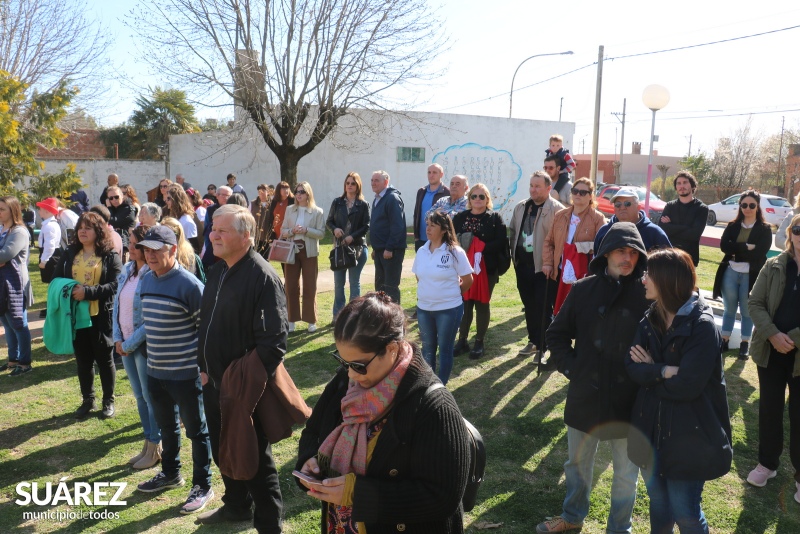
column 764, row 300
column 591, row 221
column 314, row 222
column 541, row 227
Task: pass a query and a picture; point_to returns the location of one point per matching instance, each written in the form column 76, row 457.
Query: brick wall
column 79, row 144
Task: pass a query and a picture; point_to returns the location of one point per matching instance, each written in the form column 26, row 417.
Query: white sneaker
column 291, row 327
column 312, row 328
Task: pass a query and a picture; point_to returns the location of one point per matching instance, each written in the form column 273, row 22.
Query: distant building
column 633, row 170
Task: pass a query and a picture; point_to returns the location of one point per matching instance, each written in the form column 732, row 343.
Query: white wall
column 500, row 152
column 142, row 175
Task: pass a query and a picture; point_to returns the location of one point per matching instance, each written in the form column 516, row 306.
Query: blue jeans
column 578, row 471
column 439, row 329
column 735, row 292
column 136, row 367
column 188, row 396
column 675, row 501
column 17, row 339
column 354, row 273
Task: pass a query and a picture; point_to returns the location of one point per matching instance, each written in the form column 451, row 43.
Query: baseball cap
column 158, row 237
column 625, row 192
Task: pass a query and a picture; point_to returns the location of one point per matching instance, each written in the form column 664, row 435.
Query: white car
column 774, row 209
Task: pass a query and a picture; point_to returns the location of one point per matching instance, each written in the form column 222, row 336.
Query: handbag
column 342, row 256
column 282, row 250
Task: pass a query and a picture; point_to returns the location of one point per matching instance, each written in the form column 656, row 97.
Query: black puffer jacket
column 601, row 314
column 681, row 425
column 123, row 219
column 418, row 471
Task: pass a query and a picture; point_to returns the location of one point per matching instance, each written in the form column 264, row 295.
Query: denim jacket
column 137, row 339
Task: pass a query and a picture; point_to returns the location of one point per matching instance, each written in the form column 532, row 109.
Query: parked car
column 608, row 191
column 774, row 209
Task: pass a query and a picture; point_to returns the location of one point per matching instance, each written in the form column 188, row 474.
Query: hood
column 621, row 234
column 81, row 200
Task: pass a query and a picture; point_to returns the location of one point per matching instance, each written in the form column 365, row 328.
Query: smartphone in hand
column 307, row 478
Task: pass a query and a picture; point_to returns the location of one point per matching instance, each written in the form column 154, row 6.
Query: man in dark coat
column 684, row 218
column 601, row 314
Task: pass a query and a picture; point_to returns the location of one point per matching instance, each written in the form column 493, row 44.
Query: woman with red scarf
column 568, row 246
column 389, row 452
column 482, row 233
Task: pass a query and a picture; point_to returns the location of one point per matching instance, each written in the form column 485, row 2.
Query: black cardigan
column 760, row 236
column 359, row 219
column 418, row 471
column 492, row 232
column 104, row 292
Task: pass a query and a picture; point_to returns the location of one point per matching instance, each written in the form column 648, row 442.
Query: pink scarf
column 346, row 446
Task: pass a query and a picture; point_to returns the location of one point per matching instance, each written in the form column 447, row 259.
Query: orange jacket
column 591, row 221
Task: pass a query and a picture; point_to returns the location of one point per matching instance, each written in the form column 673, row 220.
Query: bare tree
column 736, row 158
column 293, row 69
column 45, row 42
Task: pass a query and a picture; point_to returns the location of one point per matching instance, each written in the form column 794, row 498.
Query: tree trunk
column 288, row 162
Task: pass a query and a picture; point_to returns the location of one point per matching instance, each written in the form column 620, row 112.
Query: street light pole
column 511, row 94
column 654, row 97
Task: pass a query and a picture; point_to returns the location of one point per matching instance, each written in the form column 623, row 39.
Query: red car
column 606, row 192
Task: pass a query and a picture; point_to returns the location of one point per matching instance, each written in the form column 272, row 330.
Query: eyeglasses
column 580, row 192
column 115, row 197
column 549, row 167
column 300, row 192
column 627, row 204
column 349, row 183
column 165, row 186
column 479, row 196
column 357, row 367
column 751, row 205
column 795, row 230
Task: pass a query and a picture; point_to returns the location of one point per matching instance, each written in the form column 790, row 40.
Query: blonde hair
column 185, row 254
column 485, row 191
column 309, row 193
column 789, row 243
column 557, row 137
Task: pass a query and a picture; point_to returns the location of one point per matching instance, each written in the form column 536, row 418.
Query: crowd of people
column 615, row 302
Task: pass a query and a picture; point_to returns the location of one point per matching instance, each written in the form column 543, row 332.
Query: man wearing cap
column 626, row 209
column 246, row 296
column 50, row 233
column 171, row 312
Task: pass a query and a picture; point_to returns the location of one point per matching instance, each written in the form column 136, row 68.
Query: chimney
column 637, row 148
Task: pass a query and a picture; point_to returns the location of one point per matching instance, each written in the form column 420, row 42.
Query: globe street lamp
column 511, row 94
column 654, row 97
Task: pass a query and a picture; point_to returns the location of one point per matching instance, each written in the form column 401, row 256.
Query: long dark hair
column 759, row 216
column 357, row 179
column 277, row 197
column 446, row 224
column 102, row 243
column 370, row 322
column 671, row 270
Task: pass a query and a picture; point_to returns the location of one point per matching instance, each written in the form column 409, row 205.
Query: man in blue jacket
column 626, row 209
column 387, row 235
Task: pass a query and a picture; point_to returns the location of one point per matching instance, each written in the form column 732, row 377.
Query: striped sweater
column 171, row 313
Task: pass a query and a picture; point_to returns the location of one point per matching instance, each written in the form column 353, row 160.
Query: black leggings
column 482, row 311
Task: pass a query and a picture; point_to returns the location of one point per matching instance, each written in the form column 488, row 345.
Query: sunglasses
column 751, row 205
column 357, row 367
column 627, row 204
column 481, row 196
column 350, row 183
column 115, row 197
column 300, row 192
column 580, row 192
column 795, row 230
column 164, row 186
column 549, row 167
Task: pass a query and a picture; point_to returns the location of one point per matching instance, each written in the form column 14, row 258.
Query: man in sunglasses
column 626, row 209
column 530, row 223
column 560, row 178
column 684, row 218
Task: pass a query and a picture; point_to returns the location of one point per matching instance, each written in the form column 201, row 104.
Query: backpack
column 58, row 253
column 477, row 455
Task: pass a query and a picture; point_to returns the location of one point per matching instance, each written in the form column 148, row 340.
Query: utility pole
column 690, row 145
column 622, row 137
column 560, row 107
column 780, row 160
column 596, row 133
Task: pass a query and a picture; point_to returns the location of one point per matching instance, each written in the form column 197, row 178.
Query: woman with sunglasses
column 277, row 209
column 745, row 242
column 774, row 308
column 305, row 225
column 443, row 273
column 161, row 195
column 348, row 219
column 487, row 236
column 681, row 430
column 569, row 245
column 122, row 215
column 91, row 261
column 390, row 451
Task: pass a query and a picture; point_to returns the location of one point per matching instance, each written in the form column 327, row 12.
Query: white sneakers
column 291, row 327
column 312, row 327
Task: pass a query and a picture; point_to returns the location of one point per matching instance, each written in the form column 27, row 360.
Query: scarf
column 346, row 446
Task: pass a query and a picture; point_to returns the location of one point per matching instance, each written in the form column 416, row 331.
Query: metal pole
column 622, row 136
column 560, row 107
column 780, row 159
column 596, row 132
column 650, row 166
column 511, row 93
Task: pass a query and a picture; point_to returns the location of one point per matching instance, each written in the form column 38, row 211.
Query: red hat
column 49, row 204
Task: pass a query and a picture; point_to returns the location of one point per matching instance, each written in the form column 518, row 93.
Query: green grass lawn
column 518, row 413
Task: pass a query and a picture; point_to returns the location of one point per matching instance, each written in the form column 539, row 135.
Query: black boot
column 461, row 347
column 743, row 350
column 83, row 410
column 725, row 345
column 477, row 350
